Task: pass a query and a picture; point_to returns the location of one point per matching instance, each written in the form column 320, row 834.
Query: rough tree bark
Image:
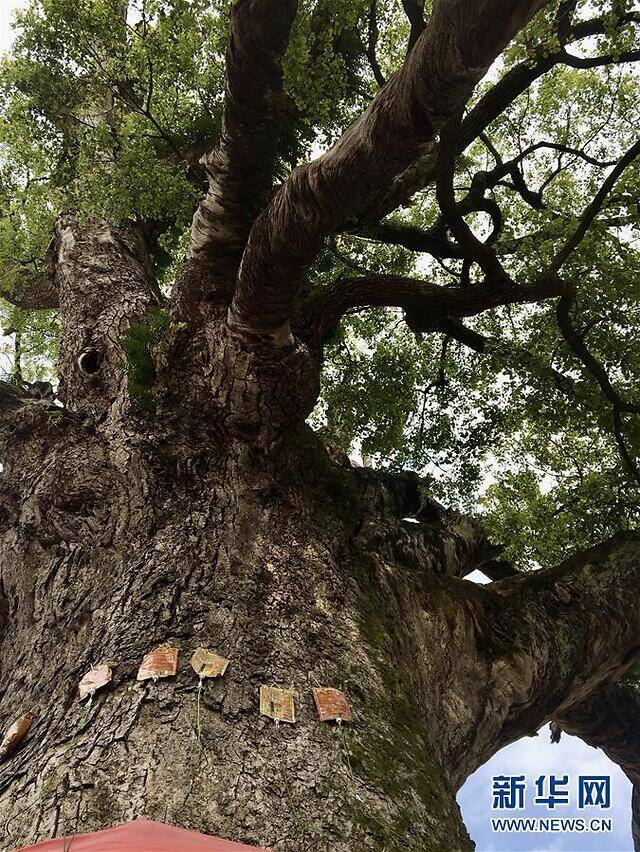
column 218, row 519
column 303, row 573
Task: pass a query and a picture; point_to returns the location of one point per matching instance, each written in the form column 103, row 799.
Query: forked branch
column 492, row 104
column 451, row 56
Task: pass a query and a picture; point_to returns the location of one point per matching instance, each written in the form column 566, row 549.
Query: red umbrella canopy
column 142, row 836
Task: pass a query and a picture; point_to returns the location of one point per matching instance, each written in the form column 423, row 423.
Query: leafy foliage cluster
column 107, row 107
column 138, row 342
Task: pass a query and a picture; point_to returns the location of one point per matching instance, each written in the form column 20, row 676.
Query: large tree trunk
column 218, row 519
column 106, row 555
column 303, row 574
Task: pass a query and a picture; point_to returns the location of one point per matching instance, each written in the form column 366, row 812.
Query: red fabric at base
column 141, row 836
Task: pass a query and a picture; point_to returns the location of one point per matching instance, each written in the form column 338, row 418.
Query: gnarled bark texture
column 105, row 556
column 303, row 572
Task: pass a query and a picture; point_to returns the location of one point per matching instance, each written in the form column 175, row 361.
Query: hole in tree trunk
column 90, row 361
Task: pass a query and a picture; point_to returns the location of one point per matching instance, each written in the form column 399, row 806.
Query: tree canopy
column 528, row 408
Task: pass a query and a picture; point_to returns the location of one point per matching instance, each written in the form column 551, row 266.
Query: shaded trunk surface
column 109, row 549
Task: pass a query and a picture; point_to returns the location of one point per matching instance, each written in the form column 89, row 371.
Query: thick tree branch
column 518, row 79
column 433, row 241
column 474, row 249
column 453, row 53
column 426, row 305
column 585, row 62
column 414, row 10
column 489, row 107
column 241, row 169
column 436, row 539
column 535, row 656
column 513, row 84
column 34, row 291
column 610, row 719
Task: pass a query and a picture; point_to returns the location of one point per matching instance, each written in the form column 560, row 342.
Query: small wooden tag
column 277, row 704
column 15, row 734
column 331, row 705
column 161, row 662
column 94, row 680
column 207, row 664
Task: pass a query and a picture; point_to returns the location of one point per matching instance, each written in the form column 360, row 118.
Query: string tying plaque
column 277, row 704
column 15, row 734
column 161, row 662
column 332, row 705
column 205, row 664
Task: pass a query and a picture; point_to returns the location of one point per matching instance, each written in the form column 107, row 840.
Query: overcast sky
column 6, row 12
column 531, row 757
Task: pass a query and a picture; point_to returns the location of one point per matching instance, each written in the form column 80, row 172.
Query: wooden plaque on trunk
column 94, row 680
column 277, row 704
column 207, row 664
column 16, row 733
column 161, row 662
column 331, row 704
